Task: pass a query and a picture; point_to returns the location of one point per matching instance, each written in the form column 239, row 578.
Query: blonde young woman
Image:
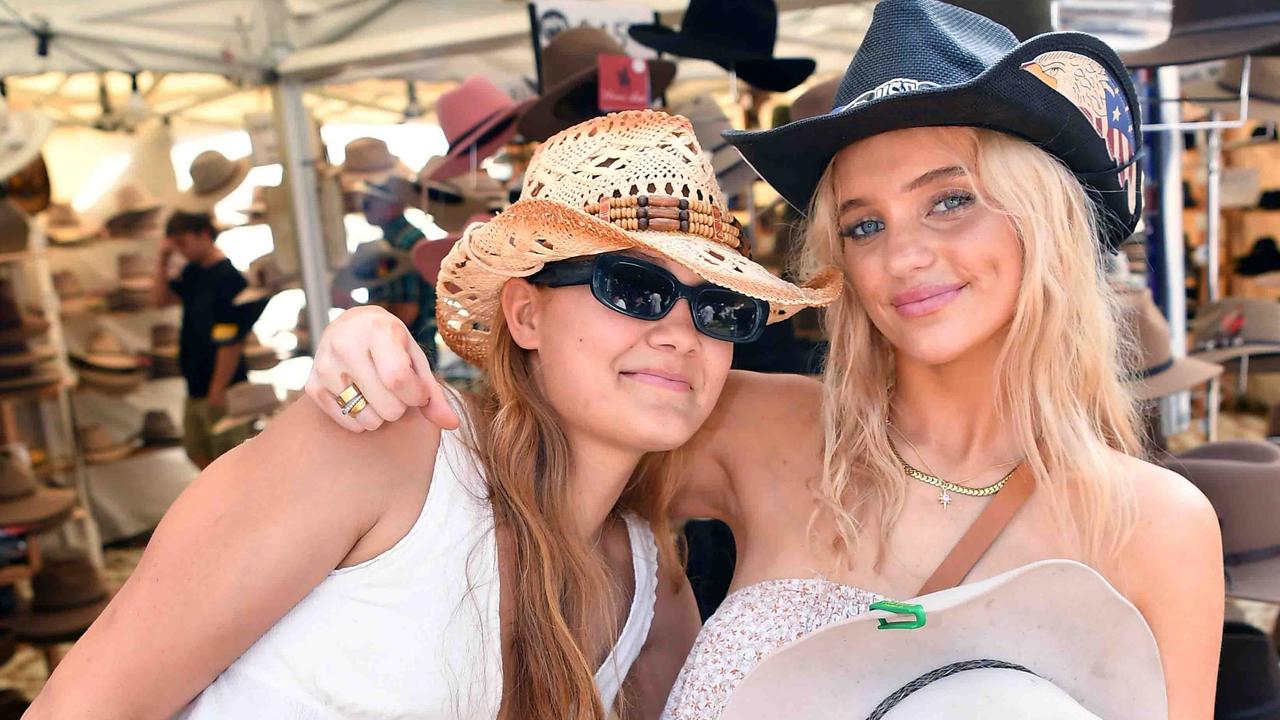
column 967, row 185
column 518, row 567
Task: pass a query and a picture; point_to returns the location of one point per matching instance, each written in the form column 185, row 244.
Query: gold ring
column 346, row 396
column 356, row 407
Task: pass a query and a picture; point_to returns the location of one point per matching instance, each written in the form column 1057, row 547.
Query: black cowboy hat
column 929, row 64
column 1248, row 675
column 737, row 35
column 1213, row 29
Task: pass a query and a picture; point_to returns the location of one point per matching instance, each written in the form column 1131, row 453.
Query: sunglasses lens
column 636, row 290
column 727, row 315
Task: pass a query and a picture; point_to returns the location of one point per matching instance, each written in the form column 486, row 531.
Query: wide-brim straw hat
column 1160, row 373
column 134, row 203
column 1090, row 651
column 100, row 446
column 370, row 159
column 577, row 191
column 22, row 133
column 107, row 351
column 64, row 226
column 214, row 176
column 112, row 382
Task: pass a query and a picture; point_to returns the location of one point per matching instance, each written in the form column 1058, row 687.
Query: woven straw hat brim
column 533, row 232
column 112, row 381
column 26, row 359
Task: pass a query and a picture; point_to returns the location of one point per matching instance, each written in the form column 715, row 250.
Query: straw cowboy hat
column 1158, row 373
column 369, row 159
column 1241, row 478
column 15, row 228
column 1049, row 640
column 1237, row 327
column 68, row 594
column 429, row 254
column 213, row 177
column 737, row 35
column 105, row 364
column 64, row 226
column 732, row 172
column 246, row 403
column 99, row 445
column 570, row 208
column 569, row 81
column 478, row 116
column 135, row 271
column 22, row 133
column 73, row 299
column 373, row 264
column 1211, row 29
column 23, row 500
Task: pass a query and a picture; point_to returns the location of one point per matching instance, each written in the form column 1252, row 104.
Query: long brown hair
column 564, row 585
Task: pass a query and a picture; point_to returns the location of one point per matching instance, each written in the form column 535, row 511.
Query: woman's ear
column 522, row 307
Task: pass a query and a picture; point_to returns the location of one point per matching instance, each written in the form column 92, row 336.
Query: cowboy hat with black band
column 1212, row 29
column 570, row 93
column 930, row 64
column 737, row 35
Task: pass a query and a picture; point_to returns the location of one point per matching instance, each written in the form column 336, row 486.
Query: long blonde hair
column 1058, row 375
column 564, row 587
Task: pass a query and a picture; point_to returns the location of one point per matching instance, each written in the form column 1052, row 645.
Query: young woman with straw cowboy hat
column 967, row 184
column 517, row 564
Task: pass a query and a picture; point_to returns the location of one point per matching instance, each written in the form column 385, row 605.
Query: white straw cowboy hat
column 1051, row 640
column 213, row 177
column 1158, row 373
column 589, row 190
column 64, row 226
column 1241, row 478
column 22, row 132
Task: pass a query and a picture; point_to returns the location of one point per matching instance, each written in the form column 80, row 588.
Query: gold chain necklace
column 945, row 488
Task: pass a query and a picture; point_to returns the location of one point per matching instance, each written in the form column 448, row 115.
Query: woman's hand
column 372, row 348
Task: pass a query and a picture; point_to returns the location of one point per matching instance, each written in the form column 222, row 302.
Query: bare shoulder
column 1176, row 538
column 782, row 403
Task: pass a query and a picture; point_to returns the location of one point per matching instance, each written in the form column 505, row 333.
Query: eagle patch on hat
column 1101, row 99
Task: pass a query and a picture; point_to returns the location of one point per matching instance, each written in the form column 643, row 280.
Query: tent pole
column 300, row 176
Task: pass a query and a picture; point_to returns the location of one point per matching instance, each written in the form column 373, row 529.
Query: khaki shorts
column 198, row 439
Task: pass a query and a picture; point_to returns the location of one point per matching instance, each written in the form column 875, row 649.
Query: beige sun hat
column 582, row 191
column 369, row 159
column 1159, row 373
column 213, row 177
column 1052, row 640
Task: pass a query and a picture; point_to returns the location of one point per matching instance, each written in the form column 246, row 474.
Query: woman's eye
column 862, row 229
column 952, row 201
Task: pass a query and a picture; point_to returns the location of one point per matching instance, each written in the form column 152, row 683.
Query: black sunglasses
column 646, row 291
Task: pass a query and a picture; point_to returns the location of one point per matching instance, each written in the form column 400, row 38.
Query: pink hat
column 429, row 254
column 475, row 114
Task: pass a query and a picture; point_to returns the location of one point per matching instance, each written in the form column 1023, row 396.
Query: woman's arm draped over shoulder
column 256, row 531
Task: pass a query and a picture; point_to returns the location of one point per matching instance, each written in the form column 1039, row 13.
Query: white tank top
column 413, row 632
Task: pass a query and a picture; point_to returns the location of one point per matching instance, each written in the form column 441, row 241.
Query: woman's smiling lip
column 659, row 378
column 925, row 299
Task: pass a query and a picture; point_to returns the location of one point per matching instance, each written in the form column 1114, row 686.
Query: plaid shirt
column 411, row 288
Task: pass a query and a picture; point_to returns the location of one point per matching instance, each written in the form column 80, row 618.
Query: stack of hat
column 64, row 226
column 73, row 299
column 105, row 364
column 258, row 356
column 247, row 403
column 164, row 351
column 213, row 177
column 21, row 365
column 159, row 430
column 68, row 594
column 136, row 275
column 136, row 212
column 1159, row 373
column 24, row 502
column 100, row 445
